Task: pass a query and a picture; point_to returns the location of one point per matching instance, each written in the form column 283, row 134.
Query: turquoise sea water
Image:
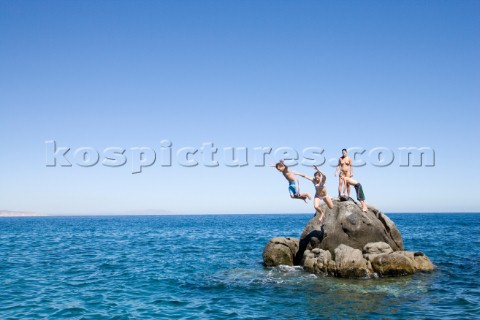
column 151, row 267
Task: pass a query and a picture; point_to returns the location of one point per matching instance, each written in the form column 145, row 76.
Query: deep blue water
column 150, row 267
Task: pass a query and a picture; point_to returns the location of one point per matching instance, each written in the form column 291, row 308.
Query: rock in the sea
column 349, row 263
column 347, row 224
column 373, row 249
column 318, row 261
column 420, row 260
column 393, row 264
column 280, row 251
column 349, row 244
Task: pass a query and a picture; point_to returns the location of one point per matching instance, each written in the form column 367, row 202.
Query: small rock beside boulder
column 350, row 263
column 393, row 264
column 318, row 261
column 280, row 251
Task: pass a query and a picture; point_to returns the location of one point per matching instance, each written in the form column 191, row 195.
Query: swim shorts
column 359, row 190
column 294, row 188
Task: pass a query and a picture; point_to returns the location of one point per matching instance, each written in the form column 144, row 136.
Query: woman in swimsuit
column 346, row 170
column 319, row 179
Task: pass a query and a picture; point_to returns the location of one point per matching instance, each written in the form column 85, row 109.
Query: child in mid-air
column 293, row 184
column 319, row 179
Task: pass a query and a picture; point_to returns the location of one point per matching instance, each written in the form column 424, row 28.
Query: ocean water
column 210, row 267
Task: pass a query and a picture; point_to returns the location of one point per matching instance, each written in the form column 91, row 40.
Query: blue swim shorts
column 294, row 188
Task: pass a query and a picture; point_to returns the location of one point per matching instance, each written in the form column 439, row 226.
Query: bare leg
column 316, row 204
column 307, row 195
column 302, row 196
column 297, row 197
column 340, row 185
column 364, row 206
column 329, row 202
column 354, row 182
column 350, row 181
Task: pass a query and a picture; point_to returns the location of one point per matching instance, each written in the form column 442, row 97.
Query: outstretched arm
column 316, row 168
column 302, row 175
column 324, row 177
column 275, row 164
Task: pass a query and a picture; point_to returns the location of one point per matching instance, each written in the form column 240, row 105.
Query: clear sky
column 297, row 74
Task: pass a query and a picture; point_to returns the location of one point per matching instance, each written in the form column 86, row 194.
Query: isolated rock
column 347, row 224
column 280, row 251
column 393, row 264
column 349, row 244
column 349, row 263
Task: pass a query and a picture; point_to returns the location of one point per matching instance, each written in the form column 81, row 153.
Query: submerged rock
column 350, row 244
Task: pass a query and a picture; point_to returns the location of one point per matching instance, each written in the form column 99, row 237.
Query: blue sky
column 248, row 74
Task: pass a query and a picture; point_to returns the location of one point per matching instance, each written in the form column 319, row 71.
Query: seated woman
column 359, row 190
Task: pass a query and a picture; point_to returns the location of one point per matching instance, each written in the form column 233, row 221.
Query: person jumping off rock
column 319, row 179
column 293, row 183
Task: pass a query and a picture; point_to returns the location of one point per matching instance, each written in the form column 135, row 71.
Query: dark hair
column 279, row 164
column 316, row 173
column 344, row 149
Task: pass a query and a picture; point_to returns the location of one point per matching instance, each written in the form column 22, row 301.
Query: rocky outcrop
column 421, row 261
column 393, row 264
column 374, row 249
column 280, row 251
column 349, row 244
column 318, row 261
column 350, row 263
column 347, row 224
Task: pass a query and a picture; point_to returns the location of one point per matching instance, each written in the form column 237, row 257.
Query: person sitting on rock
column 359, row 190
column 319, row 179
column 293, row 183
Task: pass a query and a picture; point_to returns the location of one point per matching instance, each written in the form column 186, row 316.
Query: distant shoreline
column 32, row 214
column 22, row 214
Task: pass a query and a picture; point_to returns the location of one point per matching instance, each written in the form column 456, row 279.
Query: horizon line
column 205, row 214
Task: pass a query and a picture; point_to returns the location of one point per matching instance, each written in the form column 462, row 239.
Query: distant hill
column 8, row 213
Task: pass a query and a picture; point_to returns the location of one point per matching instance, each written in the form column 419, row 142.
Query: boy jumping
column 293, row 184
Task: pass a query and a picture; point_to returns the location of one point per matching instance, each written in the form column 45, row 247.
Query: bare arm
column 337, row 168
column 302, row 175
column 316, row 168
column 351, row 167
column 324, row 177
column 275, row 164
